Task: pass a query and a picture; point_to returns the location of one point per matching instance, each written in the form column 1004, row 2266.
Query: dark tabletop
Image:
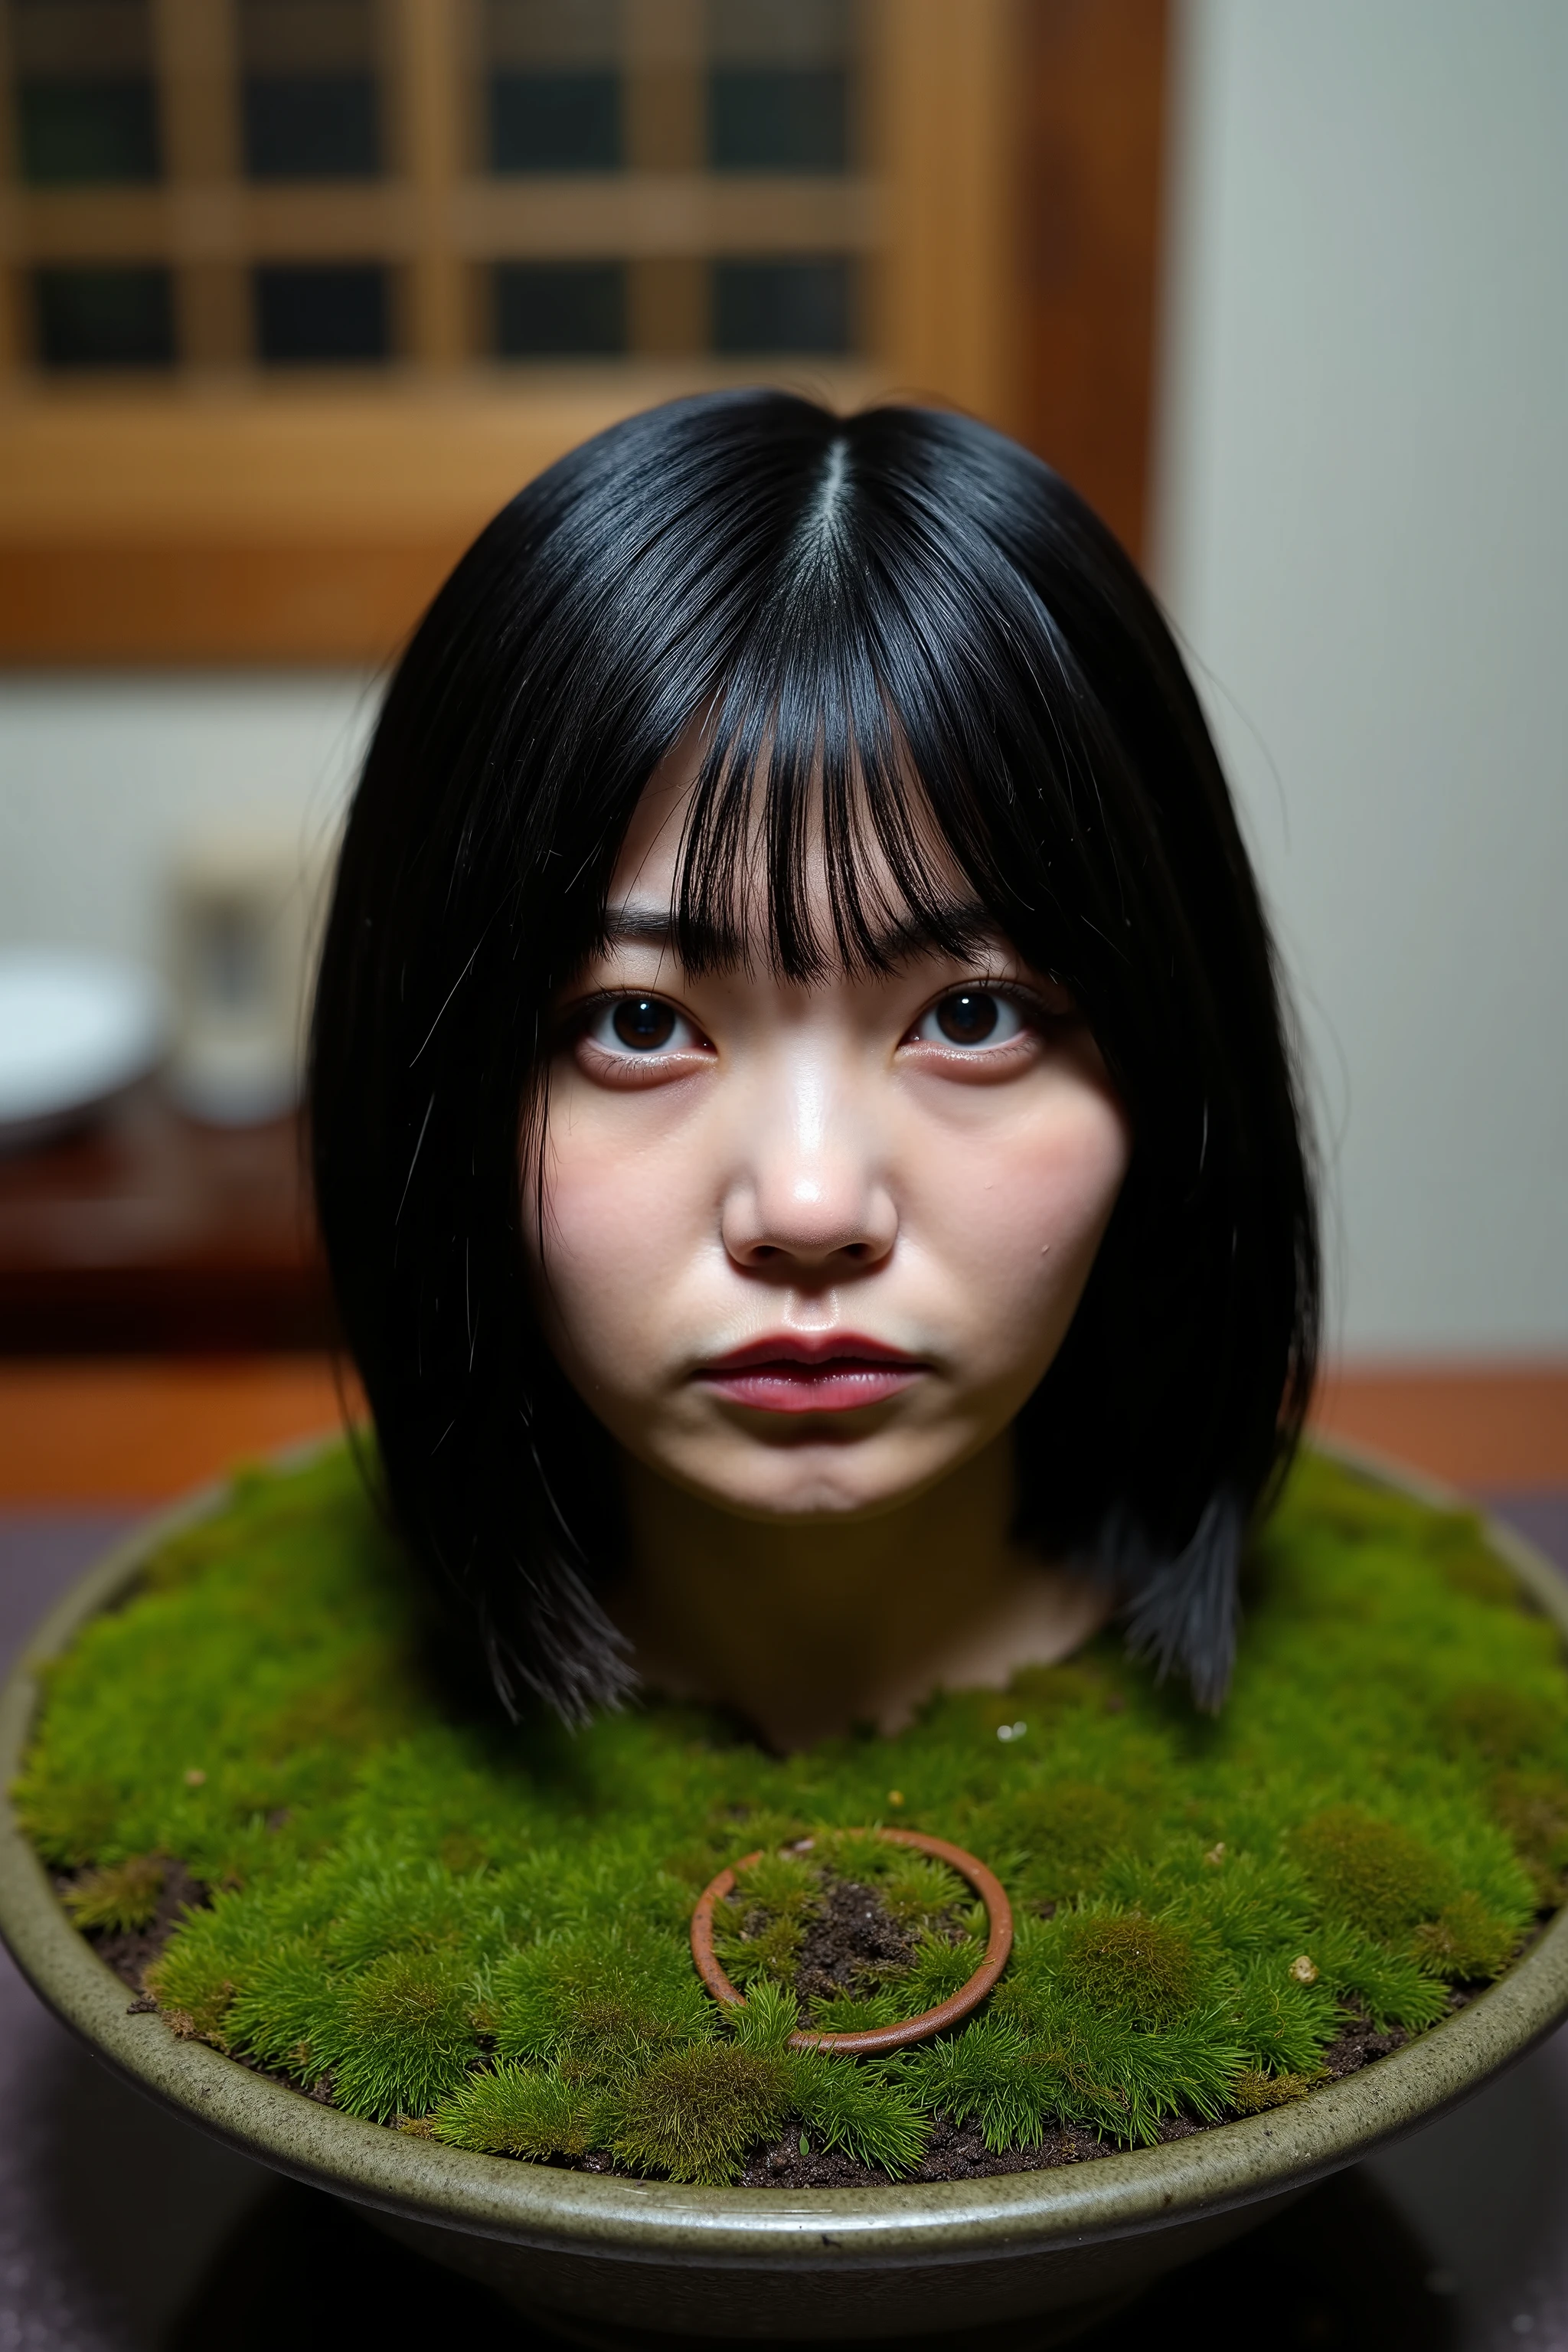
column 125, row 2229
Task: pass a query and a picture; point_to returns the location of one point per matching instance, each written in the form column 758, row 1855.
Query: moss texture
column 481, row 1933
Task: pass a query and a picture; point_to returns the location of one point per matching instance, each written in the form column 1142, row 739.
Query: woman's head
column 805, row 1245
column 792, row 890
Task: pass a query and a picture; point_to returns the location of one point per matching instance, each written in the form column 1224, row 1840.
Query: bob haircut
column 883, row 622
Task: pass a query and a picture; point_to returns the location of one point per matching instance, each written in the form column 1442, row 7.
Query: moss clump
column 1532, row 1807
column 1144, row 1971
column 1372, row 1873
column 1065, row 1835
column 481, row 1932
column 524, row 2111
column 402, row 2035
column 121, row 1898
column 1505, row 1726
column 693, row 2114
column 601, row 2002
column 1253, row 2092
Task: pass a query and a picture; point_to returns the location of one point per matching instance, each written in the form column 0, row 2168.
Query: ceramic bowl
column 75, row 1029
column 1027, row 2258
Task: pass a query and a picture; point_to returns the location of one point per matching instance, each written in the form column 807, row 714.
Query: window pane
column 766, row 120
column 555, row 122
column 554, row 310
column 321, row 313
column 104, row 318
column 311, row 127
column 88, row 130
column 783, row 306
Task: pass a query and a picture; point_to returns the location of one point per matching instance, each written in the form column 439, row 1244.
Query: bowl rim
column 1212, row 2171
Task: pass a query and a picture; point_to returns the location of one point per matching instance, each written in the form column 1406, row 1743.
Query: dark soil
column 1357, row 2045
column 851, row 1937
column 130, row 1951
column 953, row 2152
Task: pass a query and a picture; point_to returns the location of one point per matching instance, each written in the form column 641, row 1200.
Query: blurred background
column 295, row 292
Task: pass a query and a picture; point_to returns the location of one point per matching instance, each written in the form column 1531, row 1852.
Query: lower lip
column 840, row 1386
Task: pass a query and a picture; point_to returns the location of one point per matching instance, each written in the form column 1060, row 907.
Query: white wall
column 1363, row 537
column 102, row 778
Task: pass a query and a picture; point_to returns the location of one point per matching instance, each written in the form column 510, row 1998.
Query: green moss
column 1144, row 1970
column 1253, row 2094
column 1373, row 1874
column 1068, row 1833
column 1532, row 1809
column 522, row 2111
column 694, row 2113
column 124, row 1896
column 1505, row 1725
column 606, row 2000
column 483, row 1933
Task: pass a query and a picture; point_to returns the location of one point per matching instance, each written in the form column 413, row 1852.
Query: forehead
column 651, row 897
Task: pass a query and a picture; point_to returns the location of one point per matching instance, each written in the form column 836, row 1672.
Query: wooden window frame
column 1009, row 233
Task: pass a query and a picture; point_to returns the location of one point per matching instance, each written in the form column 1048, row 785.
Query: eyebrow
column 948, row 925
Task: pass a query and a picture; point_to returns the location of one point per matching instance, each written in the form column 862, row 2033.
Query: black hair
column 879, row 620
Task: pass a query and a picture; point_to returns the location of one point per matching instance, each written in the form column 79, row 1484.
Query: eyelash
column 598, row 1017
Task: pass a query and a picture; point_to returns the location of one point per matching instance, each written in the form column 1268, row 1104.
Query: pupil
column 643, row 1023
column 967, row 1019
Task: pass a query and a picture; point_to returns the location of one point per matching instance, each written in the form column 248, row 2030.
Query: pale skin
column 884, row 1195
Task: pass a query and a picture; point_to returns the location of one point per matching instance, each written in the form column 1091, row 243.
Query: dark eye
column 643, row 1023
column 971, row 1016
column 967, row 1019
column 642, row 1026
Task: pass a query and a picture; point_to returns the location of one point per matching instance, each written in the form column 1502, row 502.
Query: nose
column 810, row 1189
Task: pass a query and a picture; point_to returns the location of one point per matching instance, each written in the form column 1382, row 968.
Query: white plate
column 74, row 1029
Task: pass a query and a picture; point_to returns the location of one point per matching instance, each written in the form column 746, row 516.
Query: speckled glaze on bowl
column 1027, row 2258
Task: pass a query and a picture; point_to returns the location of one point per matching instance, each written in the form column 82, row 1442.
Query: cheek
column 614, row 1223
column 1024, row 1222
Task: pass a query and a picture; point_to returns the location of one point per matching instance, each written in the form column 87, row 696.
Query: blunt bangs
column 907, row 650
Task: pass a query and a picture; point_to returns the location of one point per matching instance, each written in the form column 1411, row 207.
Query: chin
column 836, row 1489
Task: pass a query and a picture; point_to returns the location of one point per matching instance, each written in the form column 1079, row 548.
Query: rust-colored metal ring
column 998, row 1943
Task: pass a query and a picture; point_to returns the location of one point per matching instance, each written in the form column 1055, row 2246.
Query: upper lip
column 809, row 1348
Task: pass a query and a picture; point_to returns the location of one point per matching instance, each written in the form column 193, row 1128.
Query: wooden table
column 149, row 1232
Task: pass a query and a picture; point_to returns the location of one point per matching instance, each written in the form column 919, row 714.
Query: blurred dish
column 75, row 1029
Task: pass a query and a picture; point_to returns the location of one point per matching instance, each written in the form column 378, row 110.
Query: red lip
column 826, row 1371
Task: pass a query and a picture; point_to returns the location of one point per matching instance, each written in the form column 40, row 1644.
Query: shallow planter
column 1028, row 2257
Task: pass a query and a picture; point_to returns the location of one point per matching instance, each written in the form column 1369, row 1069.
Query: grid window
column 779, row 85
column 89, row 129
column 554, row 88
column 311, row 127
column 762, row 119
column 86, row 107
column 555, row 122
column 104, row 318
column 320, row 314
column 309, row 101
column 783, row 306
column 559, row 309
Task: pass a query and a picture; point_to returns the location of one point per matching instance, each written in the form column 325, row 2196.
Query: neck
column 808, row 1627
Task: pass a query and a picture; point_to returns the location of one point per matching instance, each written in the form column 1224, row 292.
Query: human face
column 807, row 1249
